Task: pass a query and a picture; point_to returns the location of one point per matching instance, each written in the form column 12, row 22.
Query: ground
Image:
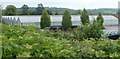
column 112, row 28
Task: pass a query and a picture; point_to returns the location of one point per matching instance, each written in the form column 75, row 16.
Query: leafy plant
column 10, row 10
column 31, row 42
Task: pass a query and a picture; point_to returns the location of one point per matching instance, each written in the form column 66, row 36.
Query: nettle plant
column 31, row 42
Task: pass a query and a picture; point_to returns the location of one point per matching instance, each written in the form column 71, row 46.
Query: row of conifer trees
column 66, row 19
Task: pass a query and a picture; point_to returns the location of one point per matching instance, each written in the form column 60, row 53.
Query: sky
column 72, row 4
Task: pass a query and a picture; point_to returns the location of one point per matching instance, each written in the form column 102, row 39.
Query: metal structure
column 55, row 20
column 11, row 21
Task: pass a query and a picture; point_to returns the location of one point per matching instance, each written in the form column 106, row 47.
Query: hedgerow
column 30, row 41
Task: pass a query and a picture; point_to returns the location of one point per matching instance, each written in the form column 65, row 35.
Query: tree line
column 66, row 19
column 25, row 10
column 86, row 30
column 45, row 18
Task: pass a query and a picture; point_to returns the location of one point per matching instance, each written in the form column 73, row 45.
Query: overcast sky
column 72, row 4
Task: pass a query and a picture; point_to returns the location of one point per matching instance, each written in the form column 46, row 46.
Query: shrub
column 27, row 42
column 93, row 30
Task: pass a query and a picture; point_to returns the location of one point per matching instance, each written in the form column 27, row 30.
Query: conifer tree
column 100, row 19
column 66, row 20
column 85, row 17
column 45, row 20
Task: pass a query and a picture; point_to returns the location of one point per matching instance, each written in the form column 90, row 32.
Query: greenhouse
column 55, row 20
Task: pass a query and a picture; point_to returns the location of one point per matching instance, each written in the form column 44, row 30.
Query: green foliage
column 93, row 30
column 45, row 20
column 10, row 10
column 25, row 10
column 56, row 13
column 96, row 29
column 66, row 20
column 81, row 32
column 100, row 19
column 78, row 12
column 0, row 40
column 31, row 42
column 85, row 17
column 92, row 48
column 39, row 9
column 49, row 12
column 30, row 12
column 58, row 35
column 3, row 12
column 27, row 42
column 87, row 30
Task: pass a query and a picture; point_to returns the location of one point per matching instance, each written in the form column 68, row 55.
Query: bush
column 93, row 30
column 28, row 42
column 92, row 48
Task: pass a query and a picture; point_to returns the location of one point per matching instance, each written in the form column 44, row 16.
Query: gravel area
column 112, row 28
